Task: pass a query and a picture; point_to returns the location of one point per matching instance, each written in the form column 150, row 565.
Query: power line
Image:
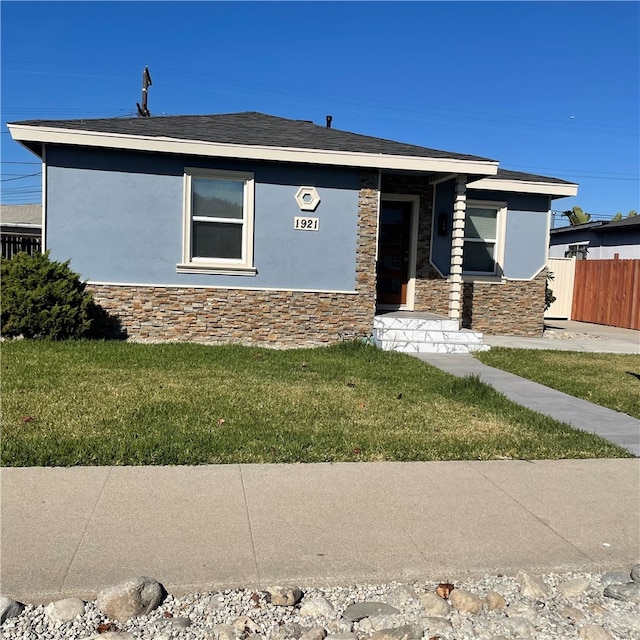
column 29, row 175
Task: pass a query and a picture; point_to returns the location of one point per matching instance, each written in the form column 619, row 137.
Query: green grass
column 110, row 403
column 610, row 380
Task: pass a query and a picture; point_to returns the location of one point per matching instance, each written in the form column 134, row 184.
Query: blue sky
column 545, row 87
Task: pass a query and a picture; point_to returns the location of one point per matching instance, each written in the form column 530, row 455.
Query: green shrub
column 42, row 298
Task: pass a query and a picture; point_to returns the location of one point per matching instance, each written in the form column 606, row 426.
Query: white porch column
column 457, row 243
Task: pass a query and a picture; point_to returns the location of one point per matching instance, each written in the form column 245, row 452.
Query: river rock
column 135, row 597
column 532, row 586
column 520, row 627
column 401, row 596
column 360, row 610
column 614, row 577
column 629, row 592
column 318, row 607
column 9, row 608
column 635, row 573
column 594, row 632
column 574, row 588
column 315, row 633
column 494, row 601
column 434, row 605
column 112, row 635
column 284, row 595
column 65, row 610
column 464, row 601
column 573, row 614
column 244, row 624
column 436, row 626
column 226, row 632
column 405, row 632
column 285, row 631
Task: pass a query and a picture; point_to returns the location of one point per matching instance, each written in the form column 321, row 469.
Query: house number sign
column 301, row 223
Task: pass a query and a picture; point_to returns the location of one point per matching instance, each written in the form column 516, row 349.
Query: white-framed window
column 579, row 250
column 218, row 222
column 483, row 238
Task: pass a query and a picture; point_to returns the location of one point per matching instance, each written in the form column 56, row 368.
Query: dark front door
column 393, row 252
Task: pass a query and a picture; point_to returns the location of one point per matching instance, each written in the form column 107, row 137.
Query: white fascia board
column 21, row 225
column 557, row 189
column 51, row 135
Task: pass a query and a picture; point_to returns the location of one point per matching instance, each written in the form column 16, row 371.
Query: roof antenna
column 329, row 119
column 143, row 111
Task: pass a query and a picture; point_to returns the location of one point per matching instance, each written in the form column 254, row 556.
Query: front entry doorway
column 394, row 252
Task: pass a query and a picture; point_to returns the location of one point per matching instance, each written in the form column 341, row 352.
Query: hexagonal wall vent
column 307, row 198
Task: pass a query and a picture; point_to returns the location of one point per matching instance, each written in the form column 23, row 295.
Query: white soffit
column 51, row 135
column 525, row 186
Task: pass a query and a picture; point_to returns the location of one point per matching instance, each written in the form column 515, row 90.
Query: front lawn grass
column 607, row 379
column 110, row 403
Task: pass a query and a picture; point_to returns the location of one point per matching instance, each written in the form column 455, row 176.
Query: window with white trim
column 482, row 238
column 218, row 221
column 578, row 250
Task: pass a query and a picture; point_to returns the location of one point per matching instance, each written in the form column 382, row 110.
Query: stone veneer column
column 457, row 244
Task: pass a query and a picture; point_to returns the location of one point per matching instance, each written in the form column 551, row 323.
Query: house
column 253, row 228
column 597, row 240
column 20, row 228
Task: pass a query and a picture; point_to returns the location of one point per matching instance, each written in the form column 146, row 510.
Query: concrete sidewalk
column 78, row 530
column 569, row 335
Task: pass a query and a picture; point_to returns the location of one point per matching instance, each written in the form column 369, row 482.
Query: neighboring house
column 20, row 228
column 252, row 228
column 597, row 240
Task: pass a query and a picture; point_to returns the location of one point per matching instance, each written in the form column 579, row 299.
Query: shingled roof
column 251, row 129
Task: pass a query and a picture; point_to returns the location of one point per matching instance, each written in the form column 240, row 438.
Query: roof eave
column 553, row 189
column 26, row 134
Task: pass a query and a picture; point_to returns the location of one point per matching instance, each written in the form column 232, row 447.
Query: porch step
column 424, row 335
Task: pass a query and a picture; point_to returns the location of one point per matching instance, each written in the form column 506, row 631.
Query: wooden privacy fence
column 607, row 292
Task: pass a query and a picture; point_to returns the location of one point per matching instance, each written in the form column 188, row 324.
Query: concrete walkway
column 614, row 426
column 75, row 531
column 594, row 338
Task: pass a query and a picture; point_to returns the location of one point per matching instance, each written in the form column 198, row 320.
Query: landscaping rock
column 226, row 632
column 629, row 592
column 594, row 632
column 434, row 605
column 9, row 608
column 532, row 586
column 635, row 573
column 317, row 608
column 315, row 633
column 464, row 601
column 361, row 610
column 405, row 632
column 614, row 577
column 574, row 588
column 65, row 610
column 401, row 596
column 284, row 595
column 132, row 598
column 570, row 613
column 494, row 601
column 286, row 631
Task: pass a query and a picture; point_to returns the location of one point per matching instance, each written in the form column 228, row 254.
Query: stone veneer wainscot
column 276, row 318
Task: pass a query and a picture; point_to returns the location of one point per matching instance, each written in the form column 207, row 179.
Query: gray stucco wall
column 525, row 251
column 119, row 216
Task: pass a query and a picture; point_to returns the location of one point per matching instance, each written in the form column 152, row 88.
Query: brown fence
column 607, row 292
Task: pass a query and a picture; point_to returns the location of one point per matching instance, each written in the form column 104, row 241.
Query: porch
column 422, row 332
